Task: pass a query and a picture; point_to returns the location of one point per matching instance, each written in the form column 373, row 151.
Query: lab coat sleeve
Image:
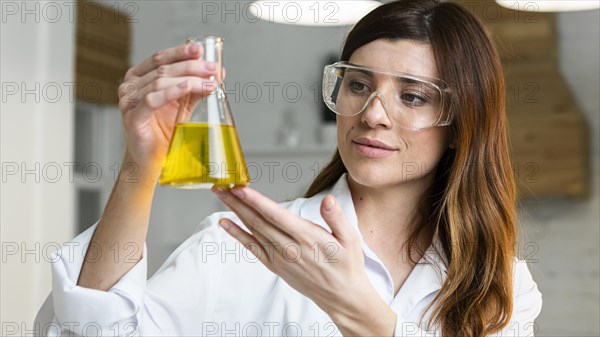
column 83, row 311
column 184, row 289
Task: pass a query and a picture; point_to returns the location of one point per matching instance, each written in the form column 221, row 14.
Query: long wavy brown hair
column 471, row 206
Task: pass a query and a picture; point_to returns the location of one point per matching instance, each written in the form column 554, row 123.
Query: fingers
column 156, row 100
column 269, row 209
column 164, row 69
column 253, row 219
column 275, row 215
column 334, row 217
column 197, row 68
column 246, row 239
column 167, row 56
column 200, row 86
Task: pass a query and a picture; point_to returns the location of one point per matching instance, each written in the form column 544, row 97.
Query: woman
column 409, row 231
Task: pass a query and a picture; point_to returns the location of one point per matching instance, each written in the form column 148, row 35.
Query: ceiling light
column 550, row 5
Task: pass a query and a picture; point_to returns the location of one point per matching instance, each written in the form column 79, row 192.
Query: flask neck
column 213, row 52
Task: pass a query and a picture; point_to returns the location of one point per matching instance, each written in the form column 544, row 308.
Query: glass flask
column 205, row 149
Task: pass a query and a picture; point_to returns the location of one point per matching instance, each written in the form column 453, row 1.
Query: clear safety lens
column 414, row 102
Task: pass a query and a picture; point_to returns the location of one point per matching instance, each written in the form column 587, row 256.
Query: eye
column 358, row 87
column 414, row 99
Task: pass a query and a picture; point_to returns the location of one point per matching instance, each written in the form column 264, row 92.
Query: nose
column 375, row 112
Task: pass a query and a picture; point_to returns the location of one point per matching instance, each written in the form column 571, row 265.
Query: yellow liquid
column 203, row 155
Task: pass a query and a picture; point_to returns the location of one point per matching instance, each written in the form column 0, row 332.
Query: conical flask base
column 202, row 155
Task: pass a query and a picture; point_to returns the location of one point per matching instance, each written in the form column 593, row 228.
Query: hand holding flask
column 205, row 149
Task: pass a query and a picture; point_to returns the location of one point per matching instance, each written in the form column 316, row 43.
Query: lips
column 372, row 148
column 373, row 143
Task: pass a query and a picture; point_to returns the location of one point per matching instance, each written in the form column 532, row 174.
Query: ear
column 452, row 143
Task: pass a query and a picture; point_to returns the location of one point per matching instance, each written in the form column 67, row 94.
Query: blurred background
column 62, row 140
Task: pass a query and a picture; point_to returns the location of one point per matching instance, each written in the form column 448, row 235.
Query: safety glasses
column 414, row 102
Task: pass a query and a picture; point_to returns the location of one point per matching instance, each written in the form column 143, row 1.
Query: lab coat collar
column 426, row 277
column 311, row 210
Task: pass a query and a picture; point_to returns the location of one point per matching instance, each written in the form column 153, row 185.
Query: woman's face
column 413, row 154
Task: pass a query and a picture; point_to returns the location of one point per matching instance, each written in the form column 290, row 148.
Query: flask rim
column 202, row 38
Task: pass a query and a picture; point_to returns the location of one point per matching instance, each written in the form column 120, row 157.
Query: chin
column 377, row 175
column 371, row 176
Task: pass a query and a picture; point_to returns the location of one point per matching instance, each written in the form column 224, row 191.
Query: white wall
column 579, row 55
column 37, row 209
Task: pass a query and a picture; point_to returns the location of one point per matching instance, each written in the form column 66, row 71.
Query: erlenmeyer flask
column 205, row 148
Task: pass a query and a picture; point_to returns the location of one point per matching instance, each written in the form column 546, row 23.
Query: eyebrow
column 364, row 71
column 407, row 80
column 422, row 85
column 399, row 79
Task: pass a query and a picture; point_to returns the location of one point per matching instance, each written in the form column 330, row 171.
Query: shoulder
column 526, row 295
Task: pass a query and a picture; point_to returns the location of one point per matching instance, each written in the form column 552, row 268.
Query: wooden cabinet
column 548, row 132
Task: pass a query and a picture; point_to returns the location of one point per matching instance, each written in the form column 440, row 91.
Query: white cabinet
column 99, row 146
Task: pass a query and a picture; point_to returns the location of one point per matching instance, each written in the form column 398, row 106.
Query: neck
column 388, row 213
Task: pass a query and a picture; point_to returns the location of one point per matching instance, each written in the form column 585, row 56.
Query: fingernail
column 220, row 192
column 239, row 192
column 210, row 85
column 210, row 65
column 183, row 85
column 329, row 204
column 194, row 48
column 224, row 224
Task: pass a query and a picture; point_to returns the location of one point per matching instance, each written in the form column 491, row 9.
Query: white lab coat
column 212, row 286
